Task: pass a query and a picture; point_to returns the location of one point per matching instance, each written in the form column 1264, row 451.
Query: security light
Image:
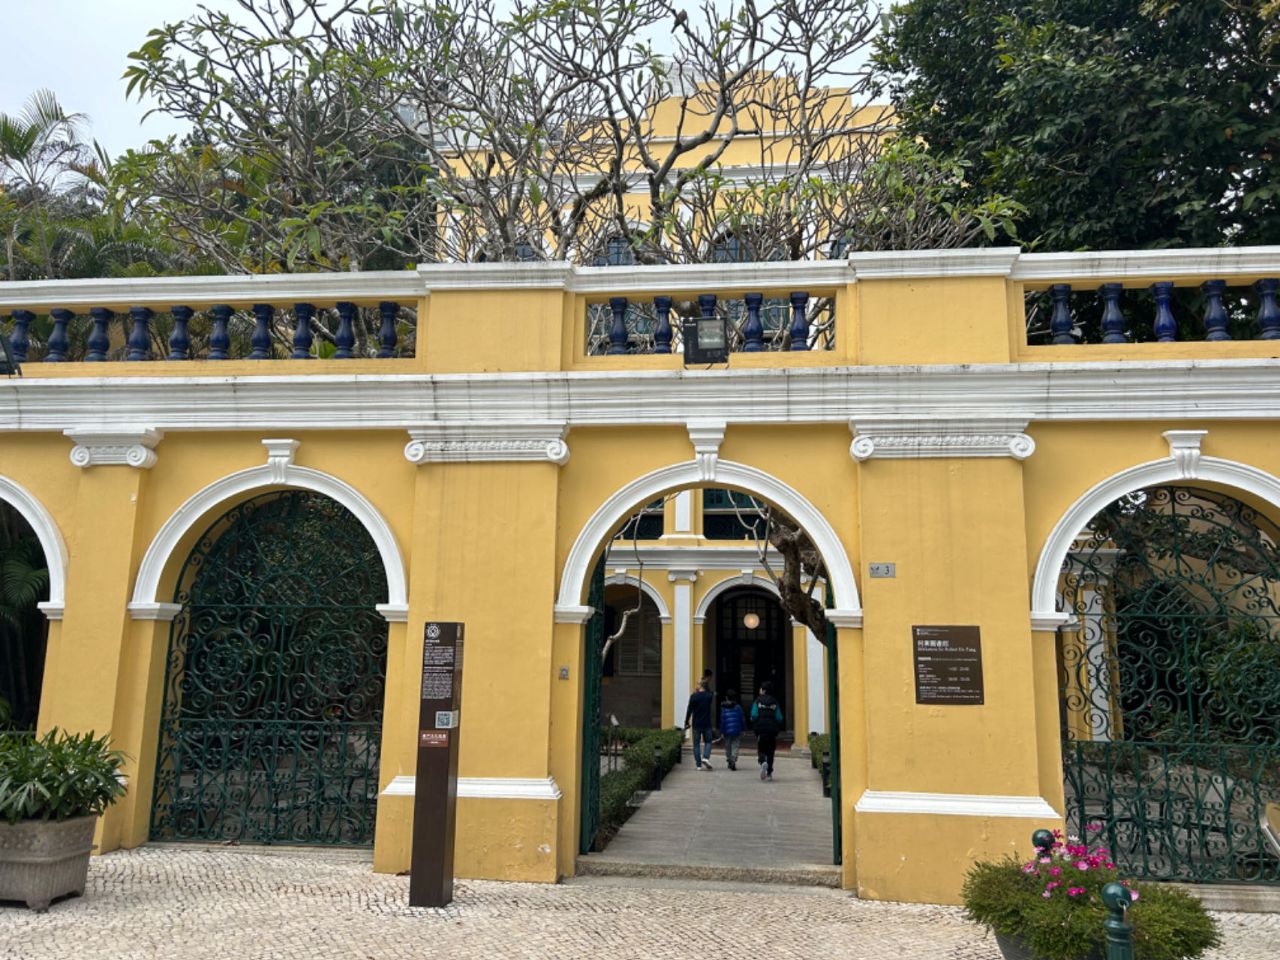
column 706, row 340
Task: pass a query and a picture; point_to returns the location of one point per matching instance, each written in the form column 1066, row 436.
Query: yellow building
column 242, row 554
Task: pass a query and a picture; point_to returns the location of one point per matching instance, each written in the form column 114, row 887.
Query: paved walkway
column 197, row 904
column 729, row 824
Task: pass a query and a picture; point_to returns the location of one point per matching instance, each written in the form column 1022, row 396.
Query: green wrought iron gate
column 592, row 682
column 833, row 724
column 273, row 687
column 1170, row 685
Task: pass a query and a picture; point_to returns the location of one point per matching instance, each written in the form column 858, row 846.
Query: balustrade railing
column 1152, row 296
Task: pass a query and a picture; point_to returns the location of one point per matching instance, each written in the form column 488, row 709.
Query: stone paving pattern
column 229, row 904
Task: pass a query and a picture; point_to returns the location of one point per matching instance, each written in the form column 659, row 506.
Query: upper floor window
column 729, row 515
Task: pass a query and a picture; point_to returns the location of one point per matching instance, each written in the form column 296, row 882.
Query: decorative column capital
column 540, row 441
column 682, row 575
column 919, row 439
column 130, row 447
column 706, row 437
column 280, row 454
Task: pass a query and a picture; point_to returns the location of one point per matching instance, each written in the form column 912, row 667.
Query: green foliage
column 57, row 777
column 1053, row 905
column 819, row 743
column 1116, row 123
column 618, row 786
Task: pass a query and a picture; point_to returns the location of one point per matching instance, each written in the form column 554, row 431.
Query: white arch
column 1183, row 464
column 280, row 470
column 664, row 615
column 577, row 568
column 50, row 539
column 704, row 605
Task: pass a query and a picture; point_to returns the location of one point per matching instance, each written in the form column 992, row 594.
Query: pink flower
column 1029, row 867
column 1094, row 827
column 1046, row 894
column 1133, row 895
column 1051, row 885
column 1046, row 860
column 1075, row 891
column 1055, row 871
column 1082, row 864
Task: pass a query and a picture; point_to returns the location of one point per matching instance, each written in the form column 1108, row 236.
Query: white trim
column 279, row 471
column 486, row 788
column 815, row 675
column 50, row 539
column 393, row 612
column 1201, row 391
column 811, row 275
column 918, row 439
column 708, row 598
column 845, row 618
column 161, row 293
column 155, row 611
column 649, row 591
column 643, row 489
column 682, row 647
column 487, row 442
column 127, row 447
column 684, row 511
column 572, row 613
column 903, row 264
column 706, row 437
column 955, row 804
column 1230, row 473
column 701, row 556
column 1049, row 622
column 1095, row 267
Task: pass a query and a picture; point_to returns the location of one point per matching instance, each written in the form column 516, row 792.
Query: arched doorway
column 1170, row 684
column 24, row 583
column 273, row 691
column 751, row 636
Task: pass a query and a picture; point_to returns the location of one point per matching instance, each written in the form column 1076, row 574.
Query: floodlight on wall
column 706, row 337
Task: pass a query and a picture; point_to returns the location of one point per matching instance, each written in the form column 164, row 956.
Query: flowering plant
column 1052, row 904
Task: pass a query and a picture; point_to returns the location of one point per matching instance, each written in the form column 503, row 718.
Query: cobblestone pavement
column 193, row 904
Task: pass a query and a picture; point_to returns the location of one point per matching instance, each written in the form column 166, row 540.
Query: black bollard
column 1119, row 932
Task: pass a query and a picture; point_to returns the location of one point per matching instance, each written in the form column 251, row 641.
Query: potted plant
column 52, row 789
column 1051, row 907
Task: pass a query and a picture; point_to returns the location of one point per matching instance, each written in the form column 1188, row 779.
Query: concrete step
column 804, row 875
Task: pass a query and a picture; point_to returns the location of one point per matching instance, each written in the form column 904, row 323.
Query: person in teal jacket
column 766, row 718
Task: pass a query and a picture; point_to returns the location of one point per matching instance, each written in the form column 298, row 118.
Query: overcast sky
column 79, row 49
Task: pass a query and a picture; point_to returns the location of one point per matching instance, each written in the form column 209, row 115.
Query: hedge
column 618, row 786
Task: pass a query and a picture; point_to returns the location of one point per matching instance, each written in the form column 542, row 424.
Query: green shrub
column 819, row 743
column 57, row 777
column 1053, row 904
column 618, row 786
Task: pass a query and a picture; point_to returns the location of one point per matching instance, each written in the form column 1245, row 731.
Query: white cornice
column 127, row 447
column 711, row 277
column 656, row 555
column 918, row 439
column 487, row 788
column 907, row 264
column 481, row 442
column 572, row 613
column 1120, row 265
column 154, row 611
column 163, row 292
column 1200, row 390
column 955, row 804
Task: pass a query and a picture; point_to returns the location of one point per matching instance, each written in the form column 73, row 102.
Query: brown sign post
column 435, row 790
column 948, row 663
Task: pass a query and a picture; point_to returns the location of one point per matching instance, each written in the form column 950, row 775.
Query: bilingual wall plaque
column 435, row 790
column 948, row 662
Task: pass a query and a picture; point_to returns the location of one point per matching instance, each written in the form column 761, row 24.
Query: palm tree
column 39, row 148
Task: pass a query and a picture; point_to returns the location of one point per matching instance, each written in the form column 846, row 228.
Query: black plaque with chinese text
column 948, row 665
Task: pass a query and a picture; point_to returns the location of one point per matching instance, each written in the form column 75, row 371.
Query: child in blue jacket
column 732, row 723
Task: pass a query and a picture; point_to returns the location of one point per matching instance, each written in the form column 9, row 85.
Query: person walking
column 732, row 723
column 766, row 718
column 698, row 716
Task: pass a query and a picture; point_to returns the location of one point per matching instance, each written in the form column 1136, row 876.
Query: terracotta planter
column 41, row 860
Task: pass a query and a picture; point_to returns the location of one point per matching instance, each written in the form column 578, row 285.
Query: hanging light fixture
column 751, row 621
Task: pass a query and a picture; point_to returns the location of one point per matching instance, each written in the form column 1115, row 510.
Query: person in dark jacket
column 732, row 723
column 698, row 715
column 766, row 718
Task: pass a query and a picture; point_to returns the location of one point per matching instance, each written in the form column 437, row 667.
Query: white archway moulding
column 569, row 606
column 1184, row 463
column 664, row 615
column 704, row 606
column 50, row 539
column 279, row 470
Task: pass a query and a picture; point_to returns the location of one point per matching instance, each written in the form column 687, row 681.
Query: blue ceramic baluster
column 19, row 340
column 618, row 331
column 220, row 338
column 99, row 343
column 260, row 341
column 1060, row 322
column 707, row 305
column 302, row 336
column 662, row 333
column 140, row 337
column 1268, row 313
column 57, row 349
column 179, row 339
column 799, row 321
column 389, row 311
column 1215, row 315
column 345, row 338
column 753, row 329
column 1166, row 328
column 1112, row 317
